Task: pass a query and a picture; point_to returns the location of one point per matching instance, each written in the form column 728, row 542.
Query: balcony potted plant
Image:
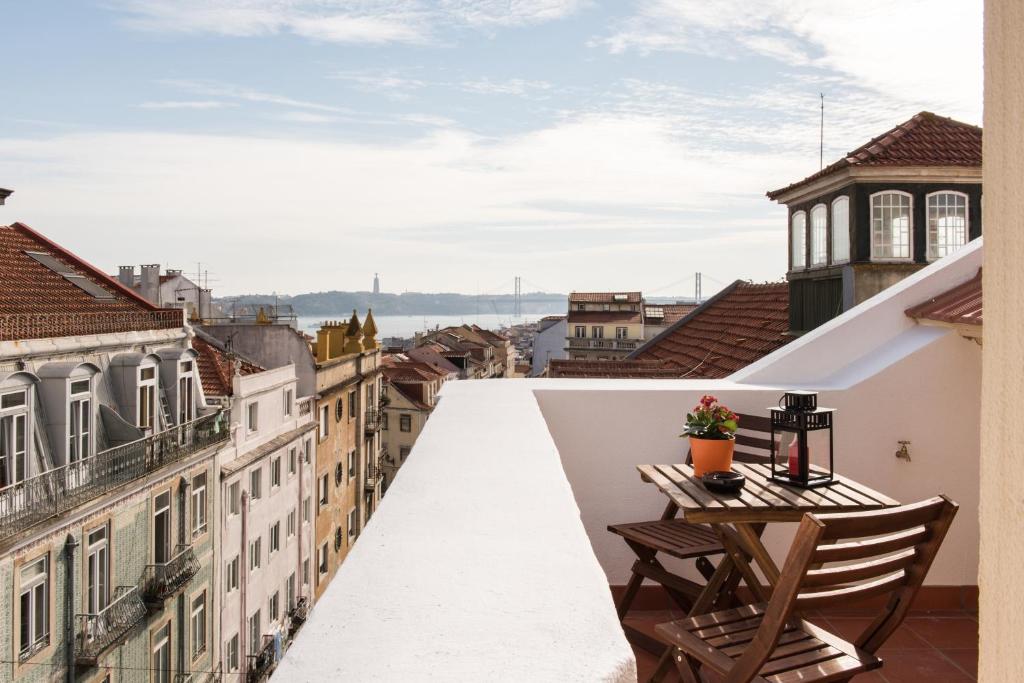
column 711, row 428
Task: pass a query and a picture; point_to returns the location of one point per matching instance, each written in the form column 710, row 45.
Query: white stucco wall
column 547, row 345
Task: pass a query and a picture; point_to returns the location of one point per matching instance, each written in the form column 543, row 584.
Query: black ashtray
column 723, row 482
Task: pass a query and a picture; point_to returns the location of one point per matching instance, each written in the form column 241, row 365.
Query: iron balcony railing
column 305, row 406
column 260, row 664
column 45, row 495
column 95, row 633
column 373, row 420
column 161, row 581
column 297, row 615
column 20, row 326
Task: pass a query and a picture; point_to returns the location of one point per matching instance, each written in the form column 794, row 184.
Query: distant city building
column 172, row 289
column 604, row 325
column 548, row 343
column 411, row 384
column 376, row 283
column 885, row 210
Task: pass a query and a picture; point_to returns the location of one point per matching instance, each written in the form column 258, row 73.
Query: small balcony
column 95, row 633
column 372, row 475
column 259, row 665
column 297, row 616
column 373, row 421
column 161, row 581
column 601, row 344
column 34, row 500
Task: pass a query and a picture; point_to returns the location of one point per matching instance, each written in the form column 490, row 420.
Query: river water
column 409, row 325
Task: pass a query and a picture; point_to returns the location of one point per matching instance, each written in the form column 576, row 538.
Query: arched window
column 891, row 225
column 819, row 235
column 841, row 230
column 947, row 223
column 798, row 240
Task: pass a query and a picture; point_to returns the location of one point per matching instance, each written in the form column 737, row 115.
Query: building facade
column 886, row 210
column 171, row 289
column 107, row 462
column 604, row 325
column 410, row 394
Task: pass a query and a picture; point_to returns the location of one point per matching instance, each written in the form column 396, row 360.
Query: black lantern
column 798, row 413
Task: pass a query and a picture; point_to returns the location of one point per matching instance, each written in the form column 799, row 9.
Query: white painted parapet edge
column 476, row 567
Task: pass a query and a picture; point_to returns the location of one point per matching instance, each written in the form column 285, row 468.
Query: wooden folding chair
column 682, row 540
column 834, row 559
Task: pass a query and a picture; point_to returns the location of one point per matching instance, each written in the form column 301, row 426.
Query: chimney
column 149, row 283
column 126, row 275
column 4, row 194
column 205, row 301
column 171, row 272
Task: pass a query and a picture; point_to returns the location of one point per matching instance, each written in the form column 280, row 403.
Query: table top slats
column 762, row 499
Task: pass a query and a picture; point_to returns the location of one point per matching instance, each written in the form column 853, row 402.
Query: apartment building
column 108, row 452
column 410, row 394
column 478, row 353
column 347, row 488
column 170, row 289
column 265, row 522
column 604, row 325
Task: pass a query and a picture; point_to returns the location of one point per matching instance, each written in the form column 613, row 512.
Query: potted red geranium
column 711, row 428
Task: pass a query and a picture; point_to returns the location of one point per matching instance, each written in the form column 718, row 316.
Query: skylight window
column 619, row 297
column 80, row 281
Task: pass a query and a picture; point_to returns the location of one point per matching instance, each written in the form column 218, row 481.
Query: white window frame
column 818, row 233
column 231, row 659
column 580, row 331
column 10, row 472
column 252, row 417
column 322, row 494
column 198, row 625
column 255, row 631
column 275, row 537
column 794, row 262
column 97, row 578
column 234, row 498
column 910, row 228
column 622, row 333
column 307, row 505
column 842, row 199
column 186, row 392
column 275, row 473
column 325, row 422
column 151, row 387
column 232, row 574
column 274, row 607
column 255, row 484
column 352, row 463
column 928, row 222
column 353, row 522
column 322, row 566
column 293, row 460
column 200, row 504
column 37, row 589
column 80, row 432
column 289, row 401
column 162, row 650
column 255, row 554
column 292, row 523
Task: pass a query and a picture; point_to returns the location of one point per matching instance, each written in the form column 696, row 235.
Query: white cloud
column 344, row 21
column 305, row 117
column 489, row 205
column 512, row 86
column 913, row 51
column 186, row 104
column 229, row 91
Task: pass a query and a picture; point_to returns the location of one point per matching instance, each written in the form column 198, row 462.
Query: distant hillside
column 409, row 303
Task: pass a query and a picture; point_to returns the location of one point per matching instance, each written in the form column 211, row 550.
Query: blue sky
column 303, row 145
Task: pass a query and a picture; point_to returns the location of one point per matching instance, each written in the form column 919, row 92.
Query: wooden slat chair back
column 753, row 440
column 835, row 559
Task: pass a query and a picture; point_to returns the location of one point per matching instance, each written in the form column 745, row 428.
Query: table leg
column 751, row 539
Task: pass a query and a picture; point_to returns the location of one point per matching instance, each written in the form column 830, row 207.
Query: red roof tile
column 603, row 317
column 611, row 369
column 670, row 313
column 216, row 367
column 736, row 327
column 604, row 297
column 37, row 302
column 924, row 140
column 961, row 305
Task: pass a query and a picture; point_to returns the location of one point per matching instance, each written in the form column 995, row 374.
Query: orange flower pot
column 711, row 455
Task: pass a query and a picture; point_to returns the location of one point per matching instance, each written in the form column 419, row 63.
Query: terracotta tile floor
column 936, row 647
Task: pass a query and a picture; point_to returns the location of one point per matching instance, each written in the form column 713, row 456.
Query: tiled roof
column 961, row 305
column 604, row 317
column 38, row 302
column 736, row 327
column 605, row 297
column 216, row 366
column 612, row 369
column 409, row 394
column 924, row 140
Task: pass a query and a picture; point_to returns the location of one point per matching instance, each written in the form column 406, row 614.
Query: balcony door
column 147, row 399
column 98, row 571
column 162, row 529
column 186, row 398
column 13, row 438
column 162, row 655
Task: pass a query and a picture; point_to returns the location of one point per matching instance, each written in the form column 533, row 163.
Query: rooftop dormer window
column 947, row 223
column 798, row 240
column 819, row 235
column 146, row 409
column 14, row 437
column 891, row 226
column 80, row 424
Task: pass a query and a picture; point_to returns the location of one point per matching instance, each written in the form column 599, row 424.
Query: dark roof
column 736, row 327
column 216, row 365
column 924, row 140
column 604, row 297
column 4, row 194
column 612, row 369
column 958, row 306
column 40, row 301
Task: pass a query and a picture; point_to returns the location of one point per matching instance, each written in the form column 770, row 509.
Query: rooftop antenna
column 821, row 136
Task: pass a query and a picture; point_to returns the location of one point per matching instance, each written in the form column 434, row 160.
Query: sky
column 302, row 145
